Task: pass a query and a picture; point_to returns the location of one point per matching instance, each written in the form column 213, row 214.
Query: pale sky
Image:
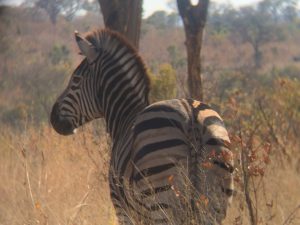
column 151, row 6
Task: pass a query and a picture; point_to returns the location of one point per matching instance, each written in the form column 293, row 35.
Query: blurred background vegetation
column 251, row 75
column 254, row 44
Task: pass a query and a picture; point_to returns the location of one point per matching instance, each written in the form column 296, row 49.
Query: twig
column 256, row 198
column 246, row 182
column 271, row 130
column 290, row 217
column 29, row 185
column 79, row 206
column 28, row 181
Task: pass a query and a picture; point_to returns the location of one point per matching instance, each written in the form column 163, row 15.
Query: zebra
column 170, row 161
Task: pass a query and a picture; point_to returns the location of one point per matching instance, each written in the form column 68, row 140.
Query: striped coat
column 170, row 161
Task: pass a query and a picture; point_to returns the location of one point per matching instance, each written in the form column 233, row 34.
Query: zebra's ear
column 86, row 47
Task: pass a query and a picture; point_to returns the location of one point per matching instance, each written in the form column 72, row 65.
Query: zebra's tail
column 210, row 164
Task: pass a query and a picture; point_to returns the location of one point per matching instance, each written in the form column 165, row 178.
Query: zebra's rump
column 182, row 165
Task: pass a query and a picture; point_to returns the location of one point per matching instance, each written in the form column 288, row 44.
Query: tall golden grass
column 51, row 179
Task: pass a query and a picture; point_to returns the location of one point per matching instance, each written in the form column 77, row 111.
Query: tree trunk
column 123, row 16
column 257, row 55
column 194, row 19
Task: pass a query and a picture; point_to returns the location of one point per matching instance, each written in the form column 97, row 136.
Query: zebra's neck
column 121, row 114
column 123, row 86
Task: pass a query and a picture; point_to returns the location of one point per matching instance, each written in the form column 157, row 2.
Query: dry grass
column 51, row 179
column 278, row 197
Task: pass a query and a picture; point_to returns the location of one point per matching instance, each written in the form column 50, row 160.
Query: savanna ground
column 50, row 179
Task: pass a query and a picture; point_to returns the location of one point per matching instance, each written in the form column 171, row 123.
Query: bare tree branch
column 194, row 19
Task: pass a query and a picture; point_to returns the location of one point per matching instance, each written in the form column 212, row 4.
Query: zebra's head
column 110, row 82
column 78, row 103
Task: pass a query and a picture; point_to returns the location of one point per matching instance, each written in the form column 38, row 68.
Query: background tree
column 158, row 19
column 255, row 26
column 123, row 16
column 162, row 20
column 91, row 6
column 56, row 7
column 221, row 17
column 194, row 19
column 163, row 83
column 279, row 10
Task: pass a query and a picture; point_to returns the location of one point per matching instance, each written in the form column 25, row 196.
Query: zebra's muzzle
column 61, row 125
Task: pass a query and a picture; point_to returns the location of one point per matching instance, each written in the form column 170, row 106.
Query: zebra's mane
column 102, row 40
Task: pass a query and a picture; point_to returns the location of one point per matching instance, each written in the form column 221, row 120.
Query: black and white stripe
column 170, row 161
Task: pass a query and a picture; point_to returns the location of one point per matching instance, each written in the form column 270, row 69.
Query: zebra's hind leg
column 123, row 217
column 160, row 200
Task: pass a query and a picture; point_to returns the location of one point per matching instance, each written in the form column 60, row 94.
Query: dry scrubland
column 50, row 179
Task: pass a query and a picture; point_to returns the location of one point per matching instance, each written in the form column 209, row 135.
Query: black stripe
column 120, row 186
column 131, row 110
column 112, row 66
column 74, row 87
column 115, row 115
column 224, row 166
column 229, row 192
column 96, row 59
column 151, row 191
column 125, row 162
column 117, row 119
column 86, row 99
column 159, row 108
column 72, row 97
column 110, row 57
column 203, row 106
column 126, row 142
column 93, row 104
column 117, row 197
column 153, row 147
column 216, row 141
column 157, row 123
column 116, row 77
column 152, row 171
column 65, row 109
column 127, row 91
column 66, row 103
column 159, row 206
column 113, row 195
column 117, row 81
column 76, row 80
column 200, row 107
column 210, row 120
column 161, row 221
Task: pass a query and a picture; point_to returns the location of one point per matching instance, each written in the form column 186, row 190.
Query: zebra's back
column 182, row 164
column 169, row 160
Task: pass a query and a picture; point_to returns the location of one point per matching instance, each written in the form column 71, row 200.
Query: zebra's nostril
column 60, row 124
